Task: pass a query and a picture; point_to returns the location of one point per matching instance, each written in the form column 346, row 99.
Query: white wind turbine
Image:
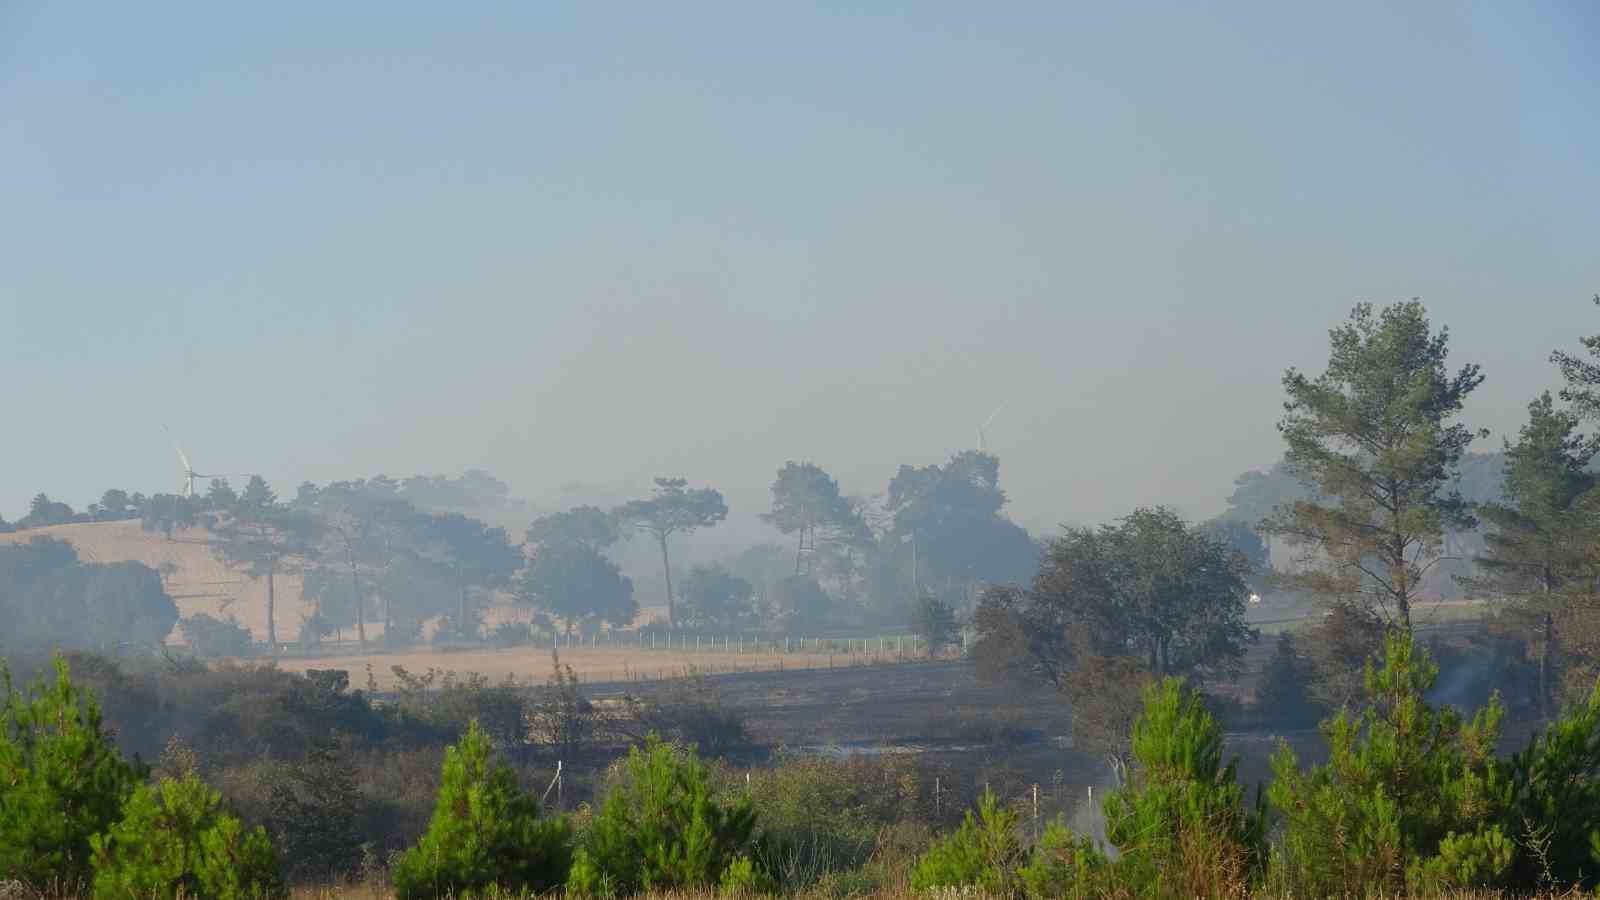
column 983, row 443
column 189, row 474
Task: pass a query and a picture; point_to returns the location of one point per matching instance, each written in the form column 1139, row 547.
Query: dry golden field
column 196, row 579
column 606, row 664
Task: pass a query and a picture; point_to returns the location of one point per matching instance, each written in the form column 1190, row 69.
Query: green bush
column 660, row 828
column 985, row 852
column 177, row 840
column 1410, row 796
column 1182, row 825
column 62, row 780
column 1555, row 802
column 824, row 815
column 485, row 833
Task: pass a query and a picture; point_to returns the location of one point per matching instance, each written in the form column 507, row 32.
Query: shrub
column 985, row 852
column 560, row 715
column 821, row 815
column 511, row 634
column 213, row 637
column 1555, row 805
column 1064, row 865
column 315, row 810
column 447, row 703
column 1182, row 825
column 1284, row 696
column 660, row 828
column 176, row 839
column 690, row 711
column 62, row 780
column 485, row 832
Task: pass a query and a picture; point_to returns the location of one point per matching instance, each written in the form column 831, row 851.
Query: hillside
column 199, row 582
column 196, row 579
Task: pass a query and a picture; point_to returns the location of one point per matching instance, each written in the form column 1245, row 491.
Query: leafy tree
column 952, row 514
column 485, row 832
column 661, row 828
column 800, row 602
column 674, row 508
column 124, row 603
column 715, row 598
column 934, row 621
column 114, row 504
column 49, row 598
column 43, row 511
column 175, row 840
column 61, row 780
column 167, row 513
column 585, row 526
column 577, row 584
column 315, row 807
column 806, row 502
column 267, row 539
column 213, row 637
column 1375, row 435
column 1241, row 537
column 470, row 555
column 1541, row 537
column 1150, row 585
column 257, row 494
column 220, row 495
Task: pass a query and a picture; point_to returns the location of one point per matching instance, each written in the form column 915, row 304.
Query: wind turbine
column 983, row 443
column 189, row 474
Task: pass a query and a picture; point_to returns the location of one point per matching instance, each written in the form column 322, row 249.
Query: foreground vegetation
column 1412, row 800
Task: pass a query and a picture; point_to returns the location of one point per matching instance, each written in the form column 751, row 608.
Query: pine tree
column 1374, row 435
column 315, row 812
column 1541, row 537
column 177, row 840
column 62, row 780
column 660, row 829
column 485, row 831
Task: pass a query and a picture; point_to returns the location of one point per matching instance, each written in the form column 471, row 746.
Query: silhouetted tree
column 713, row 597
column 267, row 539
column 1541, row 539
column 674, row 508
column 577, row 583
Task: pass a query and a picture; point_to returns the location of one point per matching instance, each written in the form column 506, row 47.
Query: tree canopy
column 1376, row 436
column 674, row 508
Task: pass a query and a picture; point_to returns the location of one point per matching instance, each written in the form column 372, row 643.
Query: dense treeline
column 376, row 564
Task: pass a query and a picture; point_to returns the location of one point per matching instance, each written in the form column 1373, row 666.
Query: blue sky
column 597, row 242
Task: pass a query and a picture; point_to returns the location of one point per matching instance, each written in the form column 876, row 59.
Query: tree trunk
column 799, row 550
column 666, row 567
column 355, row 596
column 272, row 626
column 1548, row 645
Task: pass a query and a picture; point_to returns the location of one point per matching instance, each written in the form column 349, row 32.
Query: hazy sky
column 594, row 243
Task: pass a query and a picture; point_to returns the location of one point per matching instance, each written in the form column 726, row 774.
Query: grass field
column 592, row 664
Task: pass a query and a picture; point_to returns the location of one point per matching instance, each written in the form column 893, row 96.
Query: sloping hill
column 193, row 576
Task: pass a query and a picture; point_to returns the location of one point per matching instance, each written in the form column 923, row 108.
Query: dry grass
column 196, row 579
column 607, row 664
